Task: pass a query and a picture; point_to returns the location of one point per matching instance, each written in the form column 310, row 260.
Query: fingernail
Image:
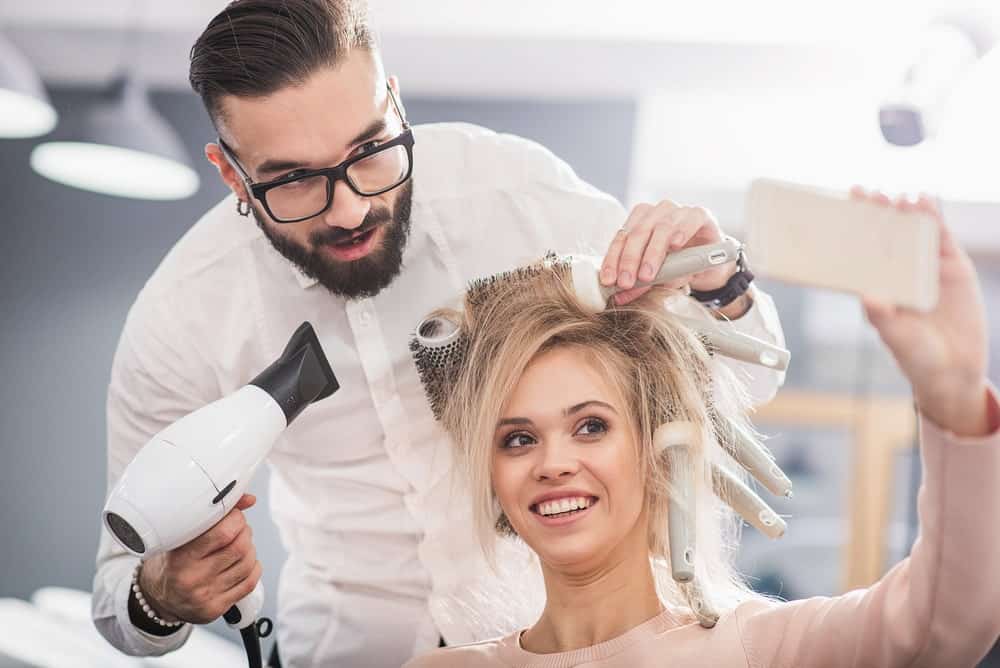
column 646, row 273
column 625, row 279
column 677, row 239
column 607, row 276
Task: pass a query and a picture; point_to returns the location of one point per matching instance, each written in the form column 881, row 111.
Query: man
column 382, row 561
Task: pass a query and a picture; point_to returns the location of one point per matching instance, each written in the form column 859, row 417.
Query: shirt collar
column 305, row 282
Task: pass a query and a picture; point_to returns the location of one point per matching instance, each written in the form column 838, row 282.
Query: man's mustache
column 338, row 235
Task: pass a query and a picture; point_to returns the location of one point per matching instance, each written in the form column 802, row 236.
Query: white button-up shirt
column 383, row 558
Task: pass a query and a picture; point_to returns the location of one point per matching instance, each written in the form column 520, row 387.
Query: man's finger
column 656, row 253
column 609, row 268
column 246, row 501
column 633, row 252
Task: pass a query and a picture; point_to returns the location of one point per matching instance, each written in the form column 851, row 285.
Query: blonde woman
column 555, row 413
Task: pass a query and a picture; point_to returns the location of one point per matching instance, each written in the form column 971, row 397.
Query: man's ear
column 394, row 84
column 227, row 172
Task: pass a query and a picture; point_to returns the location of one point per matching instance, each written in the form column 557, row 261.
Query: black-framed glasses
column 306, row 194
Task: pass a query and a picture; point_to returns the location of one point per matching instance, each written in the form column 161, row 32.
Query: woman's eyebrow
column 513, row 421
column 522, row 421
column 593, row 402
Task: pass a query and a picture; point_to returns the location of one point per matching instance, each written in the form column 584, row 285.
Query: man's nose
column 348, row 209
column 558, row 459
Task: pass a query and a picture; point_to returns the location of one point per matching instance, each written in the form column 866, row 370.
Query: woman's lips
column 356, row 248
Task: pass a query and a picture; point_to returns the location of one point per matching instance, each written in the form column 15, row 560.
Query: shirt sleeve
column 156, row 378
column 938, row 607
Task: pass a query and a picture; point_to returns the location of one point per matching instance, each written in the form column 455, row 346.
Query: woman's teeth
column 562, row 506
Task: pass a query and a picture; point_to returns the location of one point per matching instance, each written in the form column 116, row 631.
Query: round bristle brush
column 438, row 348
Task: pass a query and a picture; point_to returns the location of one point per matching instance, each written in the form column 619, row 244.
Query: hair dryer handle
column 245, row 611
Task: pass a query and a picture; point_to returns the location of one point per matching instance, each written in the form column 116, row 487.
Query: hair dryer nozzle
column 300, row 376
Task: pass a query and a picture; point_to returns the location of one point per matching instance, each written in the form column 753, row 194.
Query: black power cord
column 251, row 640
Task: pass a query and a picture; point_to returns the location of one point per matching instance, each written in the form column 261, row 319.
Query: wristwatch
column 735, row 287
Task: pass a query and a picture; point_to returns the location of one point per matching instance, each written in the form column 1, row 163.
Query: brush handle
column 689, row 261
column 585, row 270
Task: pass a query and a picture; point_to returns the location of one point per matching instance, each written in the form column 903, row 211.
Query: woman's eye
column 592, row 426
column 517, row 440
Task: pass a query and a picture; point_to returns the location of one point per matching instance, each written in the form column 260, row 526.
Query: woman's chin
column 571, row 556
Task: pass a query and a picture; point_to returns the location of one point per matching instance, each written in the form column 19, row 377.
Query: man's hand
column 198, row 582
column 648, row 235
column 941, row 352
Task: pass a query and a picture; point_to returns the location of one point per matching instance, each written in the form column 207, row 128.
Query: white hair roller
column 675, row 440
column 747, row 503
column 739, row 346
column 754, row 458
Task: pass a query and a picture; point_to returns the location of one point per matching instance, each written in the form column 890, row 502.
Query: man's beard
column 355, row 279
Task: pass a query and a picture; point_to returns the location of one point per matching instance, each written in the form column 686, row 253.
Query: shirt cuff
column 928, row 427
column 141, row 643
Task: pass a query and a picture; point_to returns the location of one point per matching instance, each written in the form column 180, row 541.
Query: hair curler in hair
column 737, row 345
column 747, row 503
column 752, row 456
column 703, row 609
column 675, row 440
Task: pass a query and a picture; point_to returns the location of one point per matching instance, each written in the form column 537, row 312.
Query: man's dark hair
column 253, row 48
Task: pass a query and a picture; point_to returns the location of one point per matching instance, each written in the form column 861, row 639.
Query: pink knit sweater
column 938, row 608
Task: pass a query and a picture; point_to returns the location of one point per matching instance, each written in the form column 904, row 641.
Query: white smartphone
column 826, row 239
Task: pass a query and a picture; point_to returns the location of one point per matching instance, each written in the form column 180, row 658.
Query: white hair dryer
column 191, row 474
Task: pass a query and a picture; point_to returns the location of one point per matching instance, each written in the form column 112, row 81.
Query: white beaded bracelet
column 145, row 606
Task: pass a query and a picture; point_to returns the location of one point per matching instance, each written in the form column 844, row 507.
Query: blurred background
column 646, row 100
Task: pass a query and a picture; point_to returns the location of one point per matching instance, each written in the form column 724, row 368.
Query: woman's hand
column 941, row 352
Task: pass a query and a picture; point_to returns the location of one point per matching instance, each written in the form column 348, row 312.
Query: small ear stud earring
column 243, row 208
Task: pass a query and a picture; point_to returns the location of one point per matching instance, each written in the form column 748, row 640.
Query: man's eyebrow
column 272, row 166
column 374, row 129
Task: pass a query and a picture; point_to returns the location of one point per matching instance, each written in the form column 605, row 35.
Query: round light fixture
column 25, row 110
column 121, row 147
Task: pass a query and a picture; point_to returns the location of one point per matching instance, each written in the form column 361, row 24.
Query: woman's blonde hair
column 661, row 371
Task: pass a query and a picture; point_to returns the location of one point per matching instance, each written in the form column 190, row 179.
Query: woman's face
column 564, row 463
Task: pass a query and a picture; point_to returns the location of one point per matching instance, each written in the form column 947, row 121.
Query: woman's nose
column 556, row 460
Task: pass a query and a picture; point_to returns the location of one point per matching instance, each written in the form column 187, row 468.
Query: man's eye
column 517, row 440
column 292, row 175
column 592, row 426
column 369, row 146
